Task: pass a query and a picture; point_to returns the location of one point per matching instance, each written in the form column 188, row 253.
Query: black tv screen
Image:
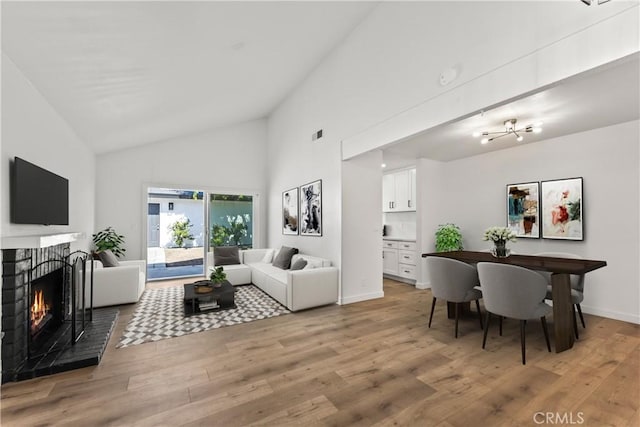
column 37, row 195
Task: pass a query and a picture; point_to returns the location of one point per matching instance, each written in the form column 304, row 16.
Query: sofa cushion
column 299, row 264
column 270, row 271
column 268, row 256
column 226, row 255
column 108, row 259
column 283, row 259
column 312, row 261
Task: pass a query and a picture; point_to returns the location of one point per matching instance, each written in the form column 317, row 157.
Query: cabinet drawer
column 407, row 271
column 407, row 257
column 408, row 246
column 388, row 244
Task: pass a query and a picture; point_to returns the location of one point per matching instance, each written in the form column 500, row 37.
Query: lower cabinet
column 399, row 259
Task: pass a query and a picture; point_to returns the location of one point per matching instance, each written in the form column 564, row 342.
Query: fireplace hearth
column 42, row 326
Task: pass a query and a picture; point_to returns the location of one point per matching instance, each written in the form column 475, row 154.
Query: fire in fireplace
column 40, row 312
column 46, row 312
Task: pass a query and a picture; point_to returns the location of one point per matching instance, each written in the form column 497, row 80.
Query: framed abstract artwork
column 523, row 207
column 290, row 217
column 311, row 209
column 562, row 213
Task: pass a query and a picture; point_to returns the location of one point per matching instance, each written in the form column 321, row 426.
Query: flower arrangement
column 499, row 234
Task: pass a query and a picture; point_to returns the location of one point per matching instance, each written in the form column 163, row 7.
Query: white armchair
column 116, row 285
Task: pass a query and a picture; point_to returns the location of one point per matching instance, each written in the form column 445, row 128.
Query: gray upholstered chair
column 453, row 281
column 577, row 288
column 514, row 292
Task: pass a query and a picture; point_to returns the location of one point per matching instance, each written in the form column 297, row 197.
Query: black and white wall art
column 290, row 217
column 311, row 209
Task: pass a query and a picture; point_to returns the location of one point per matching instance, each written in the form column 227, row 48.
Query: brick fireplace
column 39, row 325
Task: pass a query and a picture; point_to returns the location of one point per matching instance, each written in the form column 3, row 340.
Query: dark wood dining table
column 560, row 269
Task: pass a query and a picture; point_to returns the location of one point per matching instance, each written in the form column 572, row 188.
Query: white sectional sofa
column 313, row 286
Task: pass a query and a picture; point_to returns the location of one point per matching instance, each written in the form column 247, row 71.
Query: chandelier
column 509, row 129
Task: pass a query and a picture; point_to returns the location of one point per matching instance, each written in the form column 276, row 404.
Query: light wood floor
column 371, row 363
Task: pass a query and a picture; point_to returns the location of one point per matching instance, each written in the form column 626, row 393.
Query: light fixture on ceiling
column 509, row 129
column 590, row 2
column 384, row 165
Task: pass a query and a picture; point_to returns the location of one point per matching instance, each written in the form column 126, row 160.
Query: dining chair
column 453, row 281
column 577, row 288
column 515, row 292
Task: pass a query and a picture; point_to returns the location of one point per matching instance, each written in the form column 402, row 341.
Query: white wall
column 362, row 243
column 607, row 159
column 33, row 130
column 231, row 159
column 391, row 63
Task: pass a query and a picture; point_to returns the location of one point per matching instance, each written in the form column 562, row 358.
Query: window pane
column 231, row 220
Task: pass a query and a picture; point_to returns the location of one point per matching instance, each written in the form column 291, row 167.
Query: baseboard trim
column 423, row 285
column 616, row 315
column 399, row 279
column 361, row 297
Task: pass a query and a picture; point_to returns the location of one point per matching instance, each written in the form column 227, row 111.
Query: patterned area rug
column 160, row 314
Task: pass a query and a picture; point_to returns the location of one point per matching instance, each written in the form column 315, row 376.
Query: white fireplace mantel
column 39, row 241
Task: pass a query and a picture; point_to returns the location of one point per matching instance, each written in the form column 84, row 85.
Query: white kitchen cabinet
column 390, row 261
column 399, row 191
column 399, row 258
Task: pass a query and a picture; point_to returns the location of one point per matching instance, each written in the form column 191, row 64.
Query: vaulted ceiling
column 130, row 73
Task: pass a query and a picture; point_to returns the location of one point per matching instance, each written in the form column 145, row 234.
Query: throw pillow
column 226, row 255
column 268, row 256
column 108, row 258
column 299, row 264
column 283, row 259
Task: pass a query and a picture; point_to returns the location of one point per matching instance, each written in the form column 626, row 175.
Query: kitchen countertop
column 398, row 239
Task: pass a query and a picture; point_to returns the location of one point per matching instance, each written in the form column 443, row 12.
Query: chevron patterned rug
column 160, row 314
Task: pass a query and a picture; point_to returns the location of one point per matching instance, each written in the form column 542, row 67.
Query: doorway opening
column 176, row 233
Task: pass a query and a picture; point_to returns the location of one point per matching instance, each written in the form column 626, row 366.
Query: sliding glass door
column 176, row 233
column 230, row 220
column 184, row 224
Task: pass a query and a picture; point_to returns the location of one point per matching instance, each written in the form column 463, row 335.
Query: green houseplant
column 448, row 238
column 109, row 239
column 181, row 231
column 218, row 276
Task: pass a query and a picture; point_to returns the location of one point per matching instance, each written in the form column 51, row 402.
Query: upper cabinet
column 399, row 191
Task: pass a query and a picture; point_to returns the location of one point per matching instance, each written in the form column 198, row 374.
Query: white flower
column 499, row 234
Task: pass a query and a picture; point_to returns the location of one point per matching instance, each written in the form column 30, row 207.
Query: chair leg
column 522, row 340
column 457, row 310
column 433, row 305
column 543, row 320
column 575, row 321
column 581, row 316
column 500, row 317
column 479, row 314
column 486, row 328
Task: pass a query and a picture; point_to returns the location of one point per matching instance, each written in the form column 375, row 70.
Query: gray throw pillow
column 226, row 255
column 283, row 260
column 108, row 258
column 299, row 264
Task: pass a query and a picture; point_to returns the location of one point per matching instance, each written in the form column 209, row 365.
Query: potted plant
column 448, row 238
column 218, row 276
column 109, row 239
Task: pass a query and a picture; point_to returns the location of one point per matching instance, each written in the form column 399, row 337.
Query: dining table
column 560, row 269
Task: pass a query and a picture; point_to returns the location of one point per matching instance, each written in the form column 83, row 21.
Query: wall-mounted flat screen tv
column 38, row 196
